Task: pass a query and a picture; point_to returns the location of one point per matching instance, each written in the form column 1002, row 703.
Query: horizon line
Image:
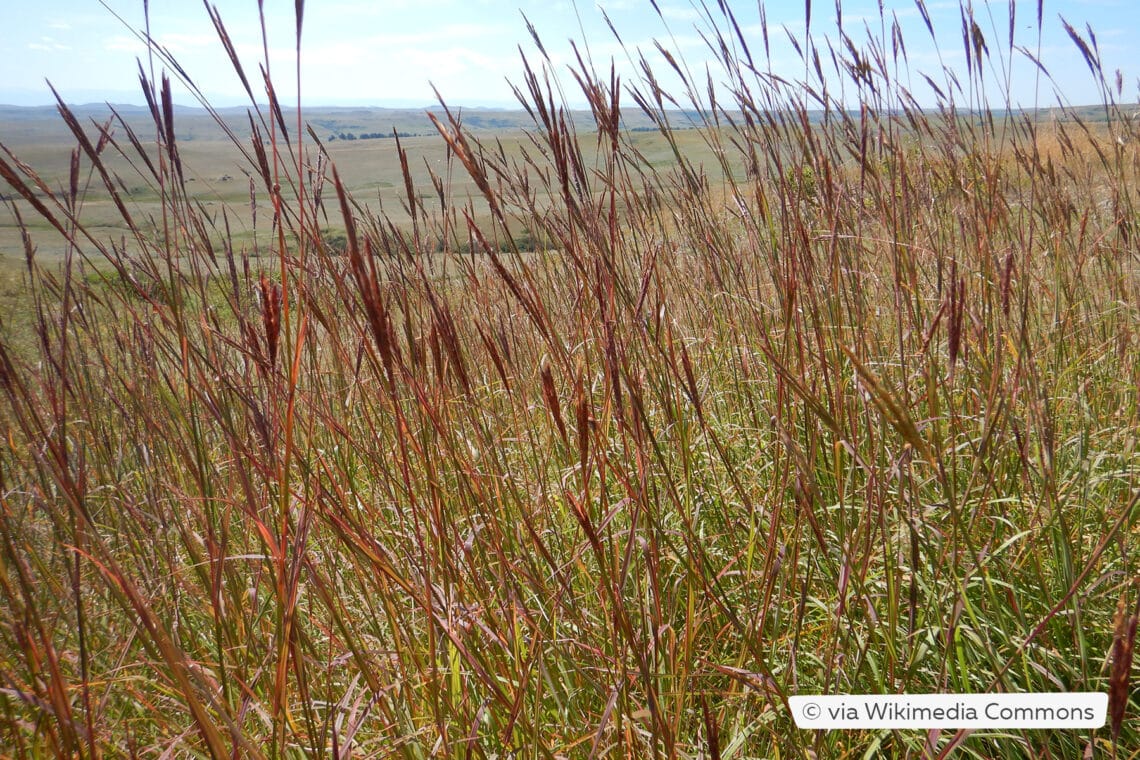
column 484, row 107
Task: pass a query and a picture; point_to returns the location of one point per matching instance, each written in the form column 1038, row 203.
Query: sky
column 391, row 52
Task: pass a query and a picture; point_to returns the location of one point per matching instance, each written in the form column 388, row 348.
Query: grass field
column 570, row 441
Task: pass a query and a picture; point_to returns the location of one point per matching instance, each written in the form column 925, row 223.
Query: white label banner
column 857, row 711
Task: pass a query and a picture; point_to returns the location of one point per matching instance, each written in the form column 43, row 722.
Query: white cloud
column 676, row 13
column 436, row 36
column 454, row 61
column 123, row 43
column 49, row 44
column 180, row 42
column 618, row 5
column 380, row 8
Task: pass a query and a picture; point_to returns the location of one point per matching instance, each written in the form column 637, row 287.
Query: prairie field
column 569, row 438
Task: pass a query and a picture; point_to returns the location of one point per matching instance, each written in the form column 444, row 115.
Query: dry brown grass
column 851, row 409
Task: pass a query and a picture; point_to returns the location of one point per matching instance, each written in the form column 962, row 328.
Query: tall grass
column 852, row 411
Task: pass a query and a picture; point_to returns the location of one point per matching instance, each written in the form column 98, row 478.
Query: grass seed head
column 1124, row 639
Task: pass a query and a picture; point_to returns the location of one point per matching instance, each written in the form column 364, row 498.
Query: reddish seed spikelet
column 1006, row 279
column 583, row 418
column 550, row 396
column 957, row 311
column 271, row 316
column 1118, row 683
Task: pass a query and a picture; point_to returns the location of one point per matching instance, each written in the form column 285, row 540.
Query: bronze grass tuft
column 1123, row 641
column 270, row 316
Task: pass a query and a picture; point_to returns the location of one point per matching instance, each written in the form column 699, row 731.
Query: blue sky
column 388, row 52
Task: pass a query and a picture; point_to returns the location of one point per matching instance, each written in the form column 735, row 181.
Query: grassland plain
column 572, row 441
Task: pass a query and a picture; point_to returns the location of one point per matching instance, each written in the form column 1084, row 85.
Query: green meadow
column 559, row 434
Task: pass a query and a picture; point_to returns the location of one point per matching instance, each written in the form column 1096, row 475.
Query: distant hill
column 42, row 123
column 18, row 123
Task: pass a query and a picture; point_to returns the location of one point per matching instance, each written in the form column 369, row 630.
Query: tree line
column 369, row 135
